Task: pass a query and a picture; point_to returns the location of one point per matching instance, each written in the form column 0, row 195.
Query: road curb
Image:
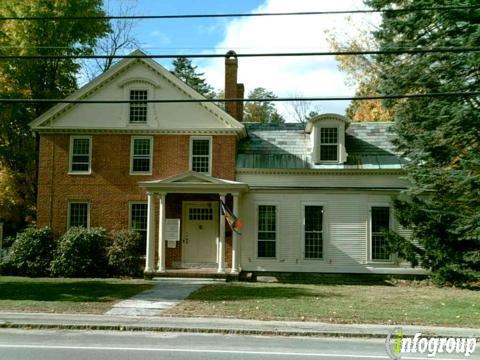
column 135, row 328
column 226, row 326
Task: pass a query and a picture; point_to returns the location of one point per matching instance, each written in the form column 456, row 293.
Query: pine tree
column 439, row 136
column 262, row 111
column 187, row 72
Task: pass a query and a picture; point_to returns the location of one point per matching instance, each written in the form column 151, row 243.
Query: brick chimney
column 233, row 90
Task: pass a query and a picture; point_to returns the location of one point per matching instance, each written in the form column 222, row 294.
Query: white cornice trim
column 136, row 131
column 321, row 171
column 302, row 189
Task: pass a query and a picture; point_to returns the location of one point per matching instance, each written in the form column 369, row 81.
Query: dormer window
column 138, row 106
column 329, row 144
column 327, row 136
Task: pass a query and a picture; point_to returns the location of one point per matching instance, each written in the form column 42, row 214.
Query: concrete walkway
column 165, row 294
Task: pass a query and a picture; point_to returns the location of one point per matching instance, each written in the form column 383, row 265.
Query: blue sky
column 285, row 77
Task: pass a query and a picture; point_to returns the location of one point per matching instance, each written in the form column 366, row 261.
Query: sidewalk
column 166, row 293
column 216, row 325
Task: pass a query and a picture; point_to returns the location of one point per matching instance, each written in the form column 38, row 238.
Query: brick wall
column 110, row 187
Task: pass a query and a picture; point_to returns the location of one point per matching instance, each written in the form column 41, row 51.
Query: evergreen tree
column 49, row 78
column 439, row 136
column 187, row 72
column 262, row 111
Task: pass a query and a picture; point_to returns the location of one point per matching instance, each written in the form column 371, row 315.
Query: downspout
column 52, row 173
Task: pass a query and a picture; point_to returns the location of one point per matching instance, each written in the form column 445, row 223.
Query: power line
column 284, row 54
column 282, row 99
column 200, row 16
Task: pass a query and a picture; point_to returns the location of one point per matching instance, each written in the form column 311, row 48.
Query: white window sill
column 79, row 173
column 137, row 123
column 313, row 260
column 381, row 262
column 203, row 173
column 140, row 173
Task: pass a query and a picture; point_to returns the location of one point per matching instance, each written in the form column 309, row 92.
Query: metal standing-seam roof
column 287, row 146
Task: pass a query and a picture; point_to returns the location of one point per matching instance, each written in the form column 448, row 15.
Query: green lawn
column 65, row 295
column 386, row 302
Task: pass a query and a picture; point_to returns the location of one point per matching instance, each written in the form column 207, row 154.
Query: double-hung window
column 379, row 222
column 138, row 221
column 329, row 144
column 313, row 232
column 267, row 231
column 138, row 106
column 200, row 154
column 78, row 214
column 141, row 155
column 80, row 154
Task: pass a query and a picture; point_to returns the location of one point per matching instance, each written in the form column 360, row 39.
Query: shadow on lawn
column 244, row 292
column 338, row 279
column 81, row 291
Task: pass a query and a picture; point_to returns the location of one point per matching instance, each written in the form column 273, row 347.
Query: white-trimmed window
column 141, row 150
column 313, row 232
column 138, row 106
column 267, row 231
column 138, row 221
column 80, row 154
column 78, row 214
column 201, row 154
column 329, row 144
column 379, row 223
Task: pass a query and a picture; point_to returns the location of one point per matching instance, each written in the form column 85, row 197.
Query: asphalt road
column 92, row 345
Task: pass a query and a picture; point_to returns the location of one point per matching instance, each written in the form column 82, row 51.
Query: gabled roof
column 91, row 87
column 287, row 146
column 192, row 181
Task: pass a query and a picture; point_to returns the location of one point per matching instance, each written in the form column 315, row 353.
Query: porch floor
column 195, row 273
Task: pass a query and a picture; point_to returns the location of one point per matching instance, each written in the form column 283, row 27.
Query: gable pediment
column 192, row 181
column 116, row 84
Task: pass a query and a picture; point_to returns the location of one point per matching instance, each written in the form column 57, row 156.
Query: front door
column 200, row 231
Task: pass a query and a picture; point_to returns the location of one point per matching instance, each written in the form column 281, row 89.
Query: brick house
column 312, row 198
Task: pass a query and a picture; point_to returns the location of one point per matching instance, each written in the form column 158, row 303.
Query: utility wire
column 282, row 99
column 285, row 54
column 199, row 16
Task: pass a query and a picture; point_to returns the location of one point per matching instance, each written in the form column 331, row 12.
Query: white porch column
column 150, row 234
column 234, row 269
column 161, row 233
column 221, row 241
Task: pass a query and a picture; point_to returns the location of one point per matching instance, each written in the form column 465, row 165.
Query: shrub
column 81, row 252
column 124, row 253
column 31, row 253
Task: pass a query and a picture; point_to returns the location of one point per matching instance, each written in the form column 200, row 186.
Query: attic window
column 329, row 144
column 138, row 106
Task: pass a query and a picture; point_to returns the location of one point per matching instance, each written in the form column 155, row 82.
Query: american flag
column 234, row 222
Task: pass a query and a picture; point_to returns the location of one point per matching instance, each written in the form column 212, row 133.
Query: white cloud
column 308, row 76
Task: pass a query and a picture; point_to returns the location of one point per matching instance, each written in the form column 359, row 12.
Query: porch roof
column 193, row 182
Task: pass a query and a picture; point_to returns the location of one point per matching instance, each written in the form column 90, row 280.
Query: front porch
column 187, row 235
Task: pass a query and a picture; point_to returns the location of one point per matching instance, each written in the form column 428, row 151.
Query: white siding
column 345, row 232
column 161, row 116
